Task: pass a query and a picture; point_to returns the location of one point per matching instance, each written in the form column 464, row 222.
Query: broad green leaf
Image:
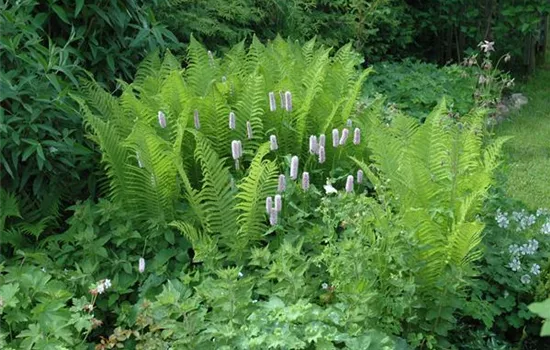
column 78, row 7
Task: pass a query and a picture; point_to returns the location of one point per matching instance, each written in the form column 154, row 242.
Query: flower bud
column 349, row 123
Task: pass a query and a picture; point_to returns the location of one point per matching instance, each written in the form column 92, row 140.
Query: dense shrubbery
column 259, row 198
column 378, row 29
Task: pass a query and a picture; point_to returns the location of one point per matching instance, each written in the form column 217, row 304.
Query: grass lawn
column 527, row 155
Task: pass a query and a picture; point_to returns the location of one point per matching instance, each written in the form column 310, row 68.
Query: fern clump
column 213, row 138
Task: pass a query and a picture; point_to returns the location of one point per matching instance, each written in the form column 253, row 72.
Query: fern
column 181, row 173
column 439, row 174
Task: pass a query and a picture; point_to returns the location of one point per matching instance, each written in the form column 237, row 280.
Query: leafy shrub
column 45, row 158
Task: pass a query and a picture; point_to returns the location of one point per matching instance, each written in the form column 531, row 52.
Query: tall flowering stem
column 294, row 168
column 283, row 100
column 249, row 130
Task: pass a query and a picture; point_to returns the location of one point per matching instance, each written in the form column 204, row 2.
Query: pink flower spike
column 278, row 203
column 322, row 140
column 344, row 138
column 232, row 121
column 272, row 102
column 268, row 205
column 349, row 184
column 273, row 217
column 360, row 175
column 356, row 136
column 236, row 149
column 141, row 265
column 313, row 147
column 335, row 137
column 283, row 101
column 162, row 119
column 321, row 154
column 249, row 130
column 305, row 180
column 196, row 119
column 294, row 168
column 273, row 143
column 288, row 101
column 281, row 186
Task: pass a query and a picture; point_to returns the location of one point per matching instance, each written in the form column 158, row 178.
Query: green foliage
column 377, row 28
column 542, row 309
column 415, row 87
column 446, row 29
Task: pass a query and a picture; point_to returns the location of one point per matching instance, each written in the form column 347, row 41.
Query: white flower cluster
column 502, row 219
column 523, row 219
column 545, row 229
column 103, row 285
column 517, row 251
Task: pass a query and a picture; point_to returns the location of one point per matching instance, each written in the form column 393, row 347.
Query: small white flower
column 514, row 249
column 502, row 219
column 515, row 264
column 525, row 279
column 535, row 269
column 240, row 274
column 487, row 46
column 107, row 283
column 545, row 229
column 329, row 189
column 254, row 301
column 324, row 286
column 141, row 265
